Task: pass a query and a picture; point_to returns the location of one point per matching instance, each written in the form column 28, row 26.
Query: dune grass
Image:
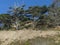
column 37, row 41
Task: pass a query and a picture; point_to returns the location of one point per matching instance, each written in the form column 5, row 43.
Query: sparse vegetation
column 16, row 42
column 38, row 41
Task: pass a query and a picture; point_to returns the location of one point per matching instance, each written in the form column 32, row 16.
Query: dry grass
column 10, row 37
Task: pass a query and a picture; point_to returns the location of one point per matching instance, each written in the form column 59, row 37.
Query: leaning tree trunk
column 16, row 24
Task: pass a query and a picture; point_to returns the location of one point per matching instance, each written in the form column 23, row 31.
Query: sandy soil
column 8, row 36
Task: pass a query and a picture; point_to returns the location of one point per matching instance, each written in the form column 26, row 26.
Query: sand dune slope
column 8, row 36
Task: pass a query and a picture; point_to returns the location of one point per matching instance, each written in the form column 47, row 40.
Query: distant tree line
column 35, row 17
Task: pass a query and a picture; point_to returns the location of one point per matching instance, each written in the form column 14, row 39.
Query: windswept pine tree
column 40, row 16
column 5, row 20
column 54, row 13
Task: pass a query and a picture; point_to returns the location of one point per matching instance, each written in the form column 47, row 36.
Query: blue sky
column 5, row 4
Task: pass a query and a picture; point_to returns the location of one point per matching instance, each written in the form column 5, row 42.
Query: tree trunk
column 33, row 24
column 17, row 23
